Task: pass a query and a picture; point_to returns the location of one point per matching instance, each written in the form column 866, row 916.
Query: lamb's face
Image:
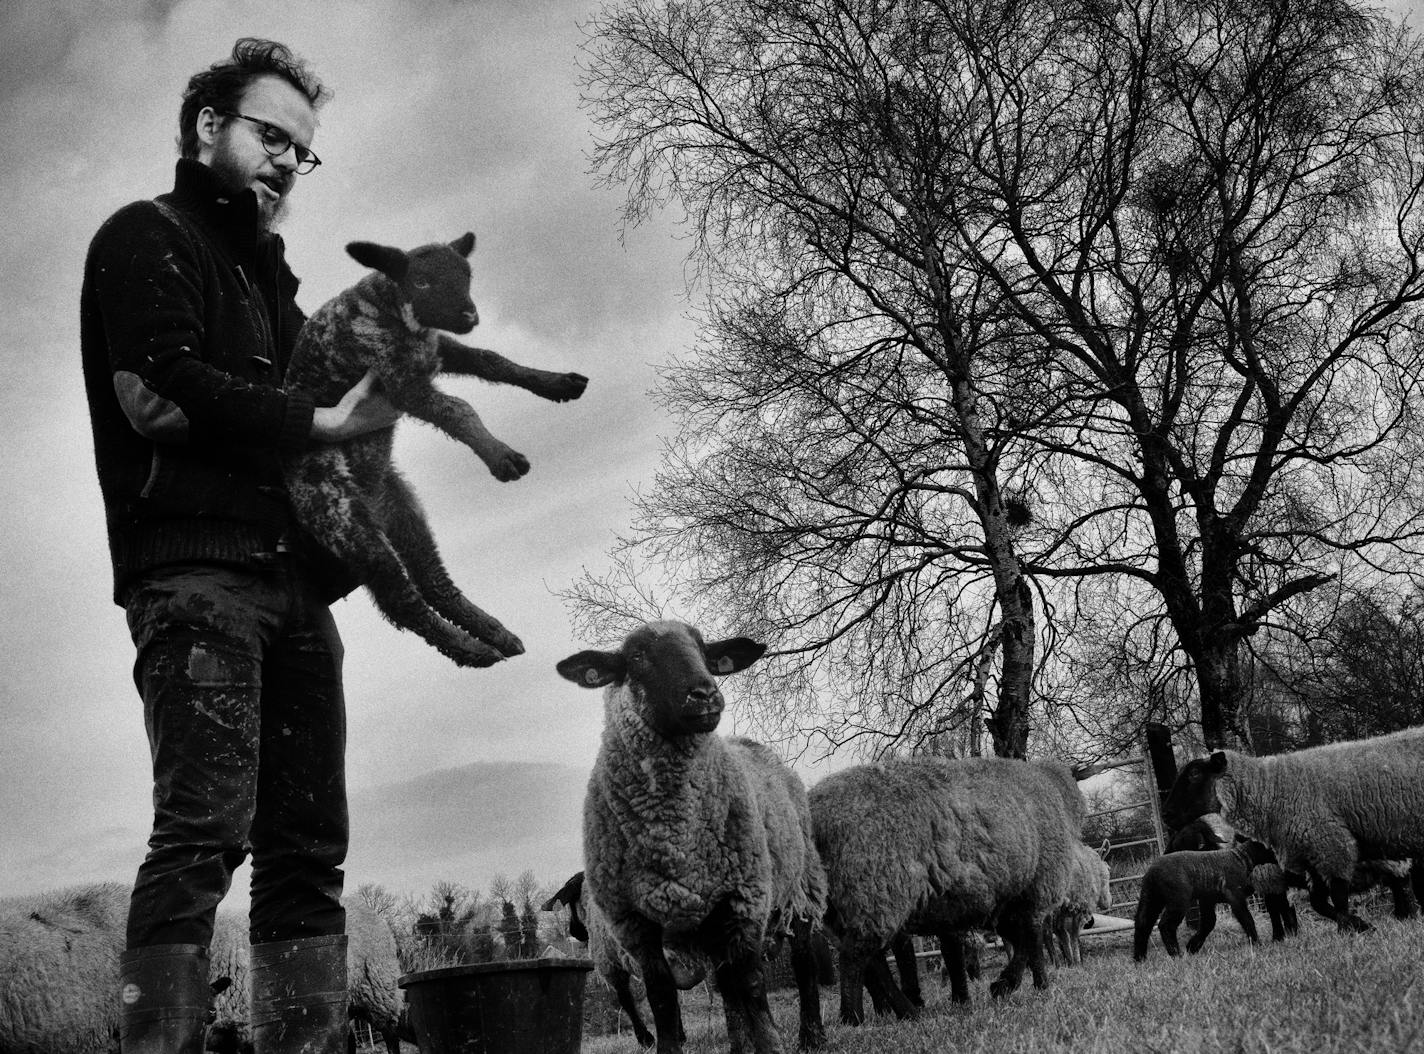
column 1194, row 792
column 438, row 286
column 433, row 279
column 669, row 672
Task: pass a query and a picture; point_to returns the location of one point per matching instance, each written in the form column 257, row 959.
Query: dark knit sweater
column 187, row 323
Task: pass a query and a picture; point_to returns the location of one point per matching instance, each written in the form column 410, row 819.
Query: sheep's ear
column 592, row 669
column 390, row 262
column 736, row 653
column 465, row 244
column 1216, row 765
column 219, row 985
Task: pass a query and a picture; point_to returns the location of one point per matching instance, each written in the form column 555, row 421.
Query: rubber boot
column 163, row 999
column 299, row 996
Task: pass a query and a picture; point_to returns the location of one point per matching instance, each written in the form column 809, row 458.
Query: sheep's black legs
column 458, row 419
column 1405, row 906
column 1282, row 915
column 951, row 949
column 903, row 948
column 329, row 505
column 885, row 993
column 622, row 988
column 1331, row 899
column 750, row 1026
column 1149, row 906
column 1019, row 929
column 647, row 947
column 410, row 535
column 1206, row 909
column 1242, row 911
column 803, row 967
column 1167, row 929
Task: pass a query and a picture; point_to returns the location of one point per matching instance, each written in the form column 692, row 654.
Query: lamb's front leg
column 458, row 419
column 457, row 358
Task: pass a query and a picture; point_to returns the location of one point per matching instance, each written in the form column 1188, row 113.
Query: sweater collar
column 232, row 215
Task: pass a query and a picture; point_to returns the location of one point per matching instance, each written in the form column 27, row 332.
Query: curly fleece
column 969, row 834
column 59, row 970
column 1318, row 806
column 675, row 826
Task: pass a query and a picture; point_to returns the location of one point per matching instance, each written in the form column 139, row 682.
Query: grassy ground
column 1317, row 993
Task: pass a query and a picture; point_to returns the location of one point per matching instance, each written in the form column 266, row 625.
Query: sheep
column 953, row 843
column 59, row 970
column 694, row 841
column 611, row 961
column 348, row 496
column 372, row 968
column 1089, row 890
column 1322, row 809
column 1173, row 881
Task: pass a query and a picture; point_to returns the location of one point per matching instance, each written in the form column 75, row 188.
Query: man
column 188, row 320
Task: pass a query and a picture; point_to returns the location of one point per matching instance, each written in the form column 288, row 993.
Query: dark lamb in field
column 1175, row 880
column 348, row 496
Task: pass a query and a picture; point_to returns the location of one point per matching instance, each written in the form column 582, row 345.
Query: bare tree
column 1151, row 270
column 1212, row 215
column 848, row 475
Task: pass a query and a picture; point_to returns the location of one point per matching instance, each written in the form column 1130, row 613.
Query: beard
column 236, row 178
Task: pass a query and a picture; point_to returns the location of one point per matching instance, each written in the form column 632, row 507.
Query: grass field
column 1317, row 993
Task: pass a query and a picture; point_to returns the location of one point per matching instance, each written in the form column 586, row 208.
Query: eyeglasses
column 277, row 142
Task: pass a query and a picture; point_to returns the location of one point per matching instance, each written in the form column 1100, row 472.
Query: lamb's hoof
column 1003, row 987
column 563, row 387
column 509, row 467
column 472, row 654
column 506, row 643
column 1354, row 924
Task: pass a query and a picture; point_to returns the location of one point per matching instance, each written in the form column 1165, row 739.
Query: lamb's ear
column 390, row 262
column 733, row 654
column 592, row 669
column 1216, row 764
column 465, row 244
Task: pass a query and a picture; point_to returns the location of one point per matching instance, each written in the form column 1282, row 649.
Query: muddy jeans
column 240, row 674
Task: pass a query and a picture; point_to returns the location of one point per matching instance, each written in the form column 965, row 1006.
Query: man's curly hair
column 223, row 84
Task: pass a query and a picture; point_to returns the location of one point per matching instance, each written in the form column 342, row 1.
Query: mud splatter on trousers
column 240, row 673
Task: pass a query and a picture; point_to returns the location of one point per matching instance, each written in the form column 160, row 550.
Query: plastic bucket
column 526, row 1006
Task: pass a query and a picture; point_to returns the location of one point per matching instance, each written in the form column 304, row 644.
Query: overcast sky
column 447, row 117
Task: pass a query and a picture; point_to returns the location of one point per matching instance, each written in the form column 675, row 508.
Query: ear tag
column 590, row 677
column 724, row 664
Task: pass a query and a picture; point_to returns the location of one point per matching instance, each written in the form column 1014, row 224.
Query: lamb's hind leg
column 412, row 538
column 332, row 510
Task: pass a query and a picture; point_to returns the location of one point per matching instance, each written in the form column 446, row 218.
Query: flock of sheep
column 705, row 854
column 704, row 849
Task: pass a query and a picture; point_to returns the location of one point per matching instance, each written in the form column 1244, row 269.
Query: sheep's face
column 434, row 279
column 1194, row 792
column 670, row 673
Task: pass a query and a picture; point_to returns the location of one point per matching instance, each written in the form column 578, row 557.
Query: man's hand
column 363, row 409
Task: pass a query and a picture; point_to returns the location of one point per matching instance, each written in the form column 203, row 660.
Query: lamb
column 372, row 967
column 1089, row 890
column 1173, row 881
column 692, row 841
column 1268, row 881
column 1323, row 810
column 959, row 843
column 59, row 970
column 348, row 496
column 612, row 962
